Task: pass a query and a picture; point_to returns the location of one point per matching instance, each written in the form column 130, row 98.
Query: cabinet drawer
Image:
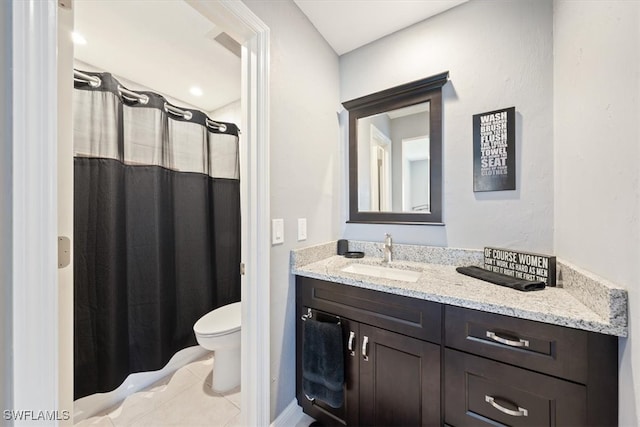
column 482, row 392
column 550, row 349
column 408, row 316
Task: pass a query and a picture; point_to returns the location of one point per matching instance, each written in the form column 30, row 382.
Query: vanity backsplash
column 425, row 254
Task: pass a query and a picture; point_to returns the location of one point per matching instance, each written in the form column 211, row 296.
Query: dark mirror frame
column 419, row 91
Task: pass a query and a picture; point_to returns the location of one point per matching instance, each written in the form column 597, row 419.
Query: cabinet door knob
column 352, row 338
column 513, row 343
column 521, row 412
column 365, row 344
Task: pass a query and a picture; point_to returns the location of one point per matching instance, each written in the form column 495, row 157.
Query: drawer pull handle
column 513, row 343
column 352, row 337
column 365, row 344
column 521, row 412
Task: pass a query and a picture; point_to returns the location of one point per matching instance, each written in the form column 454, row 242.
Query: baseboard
column 291, row 416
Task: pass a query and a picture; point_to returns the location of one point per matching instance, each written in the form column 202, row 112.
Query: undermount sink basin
column 383, row 272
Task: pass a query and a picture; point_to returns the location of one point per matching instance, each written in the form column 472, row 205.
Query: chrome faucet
column 388, row 248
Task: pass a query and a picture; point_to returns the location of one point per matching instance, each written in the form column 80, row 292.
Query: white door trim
column 34, row 214
column 65, row 209
column 238, row 20
column 256, row 366
column 34, row 281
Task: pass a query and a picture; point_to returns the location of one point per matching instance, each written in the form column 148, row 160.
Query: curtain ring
column 185, row 114
column 215, row 125
column 132, row 96
column 93, row 81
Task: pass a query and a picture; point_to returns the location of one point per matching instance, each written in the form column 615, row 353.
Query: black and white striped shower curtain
column 156, row 230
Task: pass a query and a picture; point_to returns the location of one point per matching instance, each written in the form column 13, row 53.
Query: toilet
column 219, row 331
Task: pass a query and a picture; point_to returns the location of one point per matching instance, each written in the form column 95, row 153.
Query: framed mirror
column 395, row 154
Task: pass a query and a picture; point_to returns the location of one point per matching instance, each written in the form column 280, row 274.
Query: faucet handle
column 387, row 248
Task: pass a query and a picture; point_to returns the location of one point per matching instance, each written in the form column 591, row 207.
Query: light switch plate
column 277, row 231
column 302, row 229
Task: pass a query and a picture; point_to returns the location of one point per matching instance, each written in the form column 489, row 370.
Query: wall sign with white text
column 494, row 150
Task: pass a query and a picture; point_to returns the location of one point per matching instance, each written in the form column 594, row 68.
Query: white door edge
column 34, row 210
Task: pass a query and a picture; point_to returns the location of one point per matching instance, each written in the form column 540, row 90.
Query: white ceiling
column 348, row 24
column 164, row 45
column 168, row 46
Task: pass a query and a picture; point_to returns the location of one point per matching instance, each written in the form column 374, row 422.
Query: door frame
column 240, row 22
column 33, row 243
column 380, row 170
column 34, row 276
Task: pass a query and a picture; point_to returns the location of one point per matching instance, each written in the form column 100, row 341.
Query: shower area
column 156, row 223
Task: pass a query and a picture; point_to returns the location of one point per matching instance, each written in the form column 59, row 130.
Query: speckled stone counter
column 583, row 302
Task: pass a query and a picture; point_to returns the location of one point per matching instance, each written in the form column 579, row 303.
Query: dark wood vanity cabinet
column 347, row 414
column 501, row 370
column 410, row 362
column 391, row 378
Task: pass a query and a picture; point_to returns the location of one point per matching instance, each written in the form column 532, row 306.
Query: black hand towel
column 323, row 362
column 501, row 279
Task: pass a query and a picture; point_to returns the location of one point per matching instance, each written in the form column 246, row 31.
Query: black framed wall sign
column 494, row 150
column 521, row 265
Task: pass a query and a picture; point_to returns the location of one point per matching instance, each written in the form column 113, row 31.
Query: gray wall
column 6, row 299
column 499, row 54
column 306, row 161
column 597, row 157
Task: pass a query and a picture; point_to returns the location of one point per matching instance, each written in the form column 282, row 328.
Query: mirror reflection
column 394, row 161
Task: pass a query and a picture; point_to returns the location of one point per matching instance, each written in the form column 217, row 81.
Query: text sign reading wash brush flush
column 494, row 150
column 521, row 265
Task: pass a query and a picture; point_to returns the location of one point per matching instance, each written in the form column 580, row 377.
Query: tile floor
column 182, row 399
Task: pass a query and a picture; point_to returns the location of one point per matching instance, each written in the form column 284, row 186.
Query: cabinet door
column 347, row 414
column 399, row 380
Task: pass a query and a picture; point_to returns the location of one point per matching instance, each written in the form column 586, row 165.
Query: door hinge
column 242, row 268
column 64, row 251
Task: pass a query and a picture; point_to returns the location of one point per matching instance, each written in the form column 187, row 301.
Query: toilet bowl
column 219, row 331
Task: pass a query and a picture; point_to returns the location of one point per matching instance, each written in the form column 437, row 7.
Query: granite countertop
column 440, row 282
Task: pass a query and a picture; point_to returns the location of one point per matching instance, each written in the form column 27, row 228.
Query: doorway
column 35, row 25
column 380, row 170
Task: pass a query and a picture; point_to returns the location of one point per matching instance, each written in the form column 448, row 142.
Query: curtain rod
column 95, row 81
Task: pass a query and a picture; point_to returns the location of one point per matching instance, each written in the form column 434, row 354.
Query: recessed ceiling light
column 78, row 38
column 195, row 91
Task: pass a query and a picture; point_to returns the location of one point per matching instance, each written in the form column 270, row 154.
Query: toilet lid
column 223, row 320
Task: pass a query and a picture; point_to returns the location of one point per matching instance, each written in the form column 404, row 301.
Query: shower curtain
column 157, row 229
